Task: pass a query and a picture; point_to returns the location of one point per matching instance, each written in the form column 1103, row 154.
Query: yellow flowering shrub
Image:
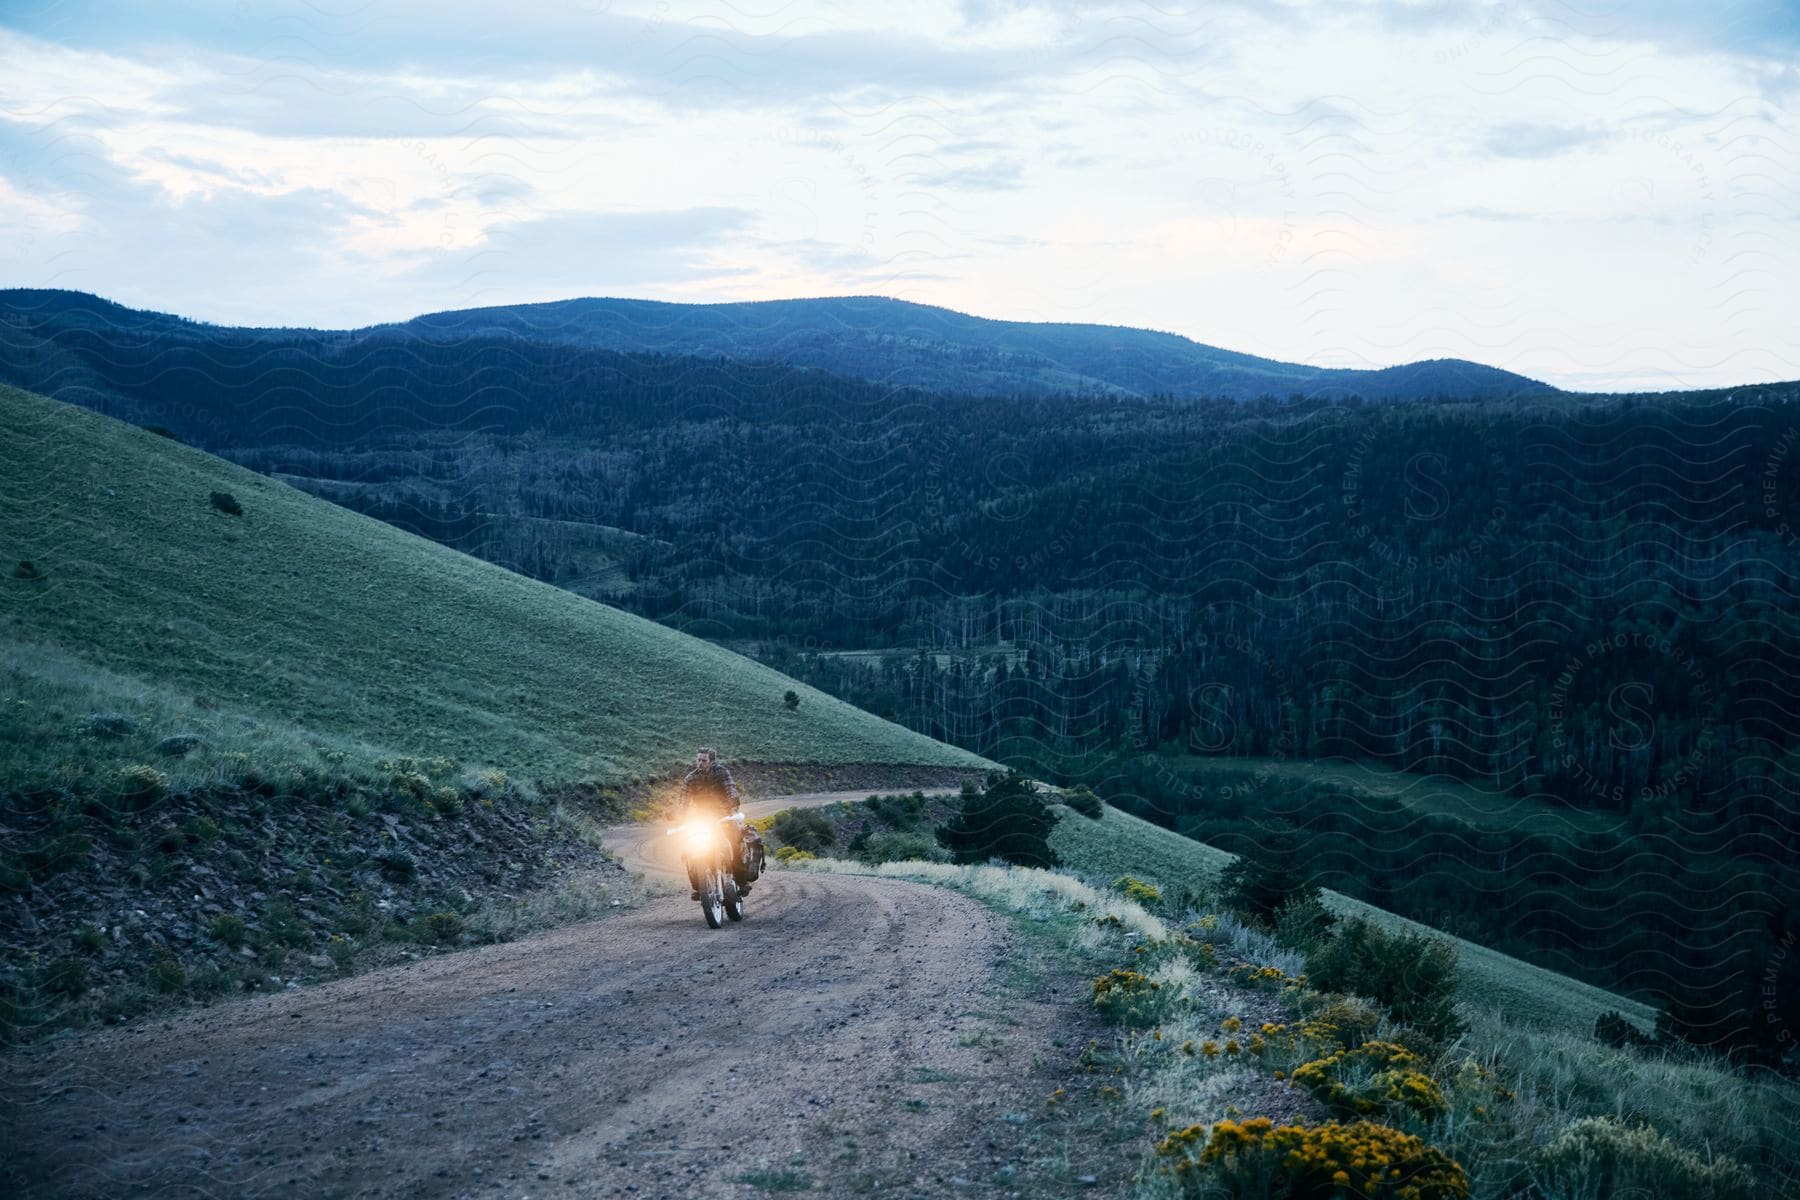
column 1129, row 997
column 1318, row 1162
column 1133, row 888
column 1375, row 1077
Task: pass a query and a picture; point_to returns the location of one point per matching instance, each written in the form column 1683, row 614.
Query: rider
column 708, row 791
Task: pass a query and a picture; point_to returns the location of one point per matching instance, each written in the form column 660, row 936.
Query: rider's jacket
column 711, row 788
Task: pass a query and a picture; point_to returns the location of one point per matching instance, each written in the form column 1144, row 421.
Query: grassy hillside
column 300, row 612
column 1121, row 844
column 243, row 750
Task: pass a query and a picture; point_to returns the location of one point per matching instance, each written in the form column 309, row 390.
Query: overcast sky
column 1599, row 195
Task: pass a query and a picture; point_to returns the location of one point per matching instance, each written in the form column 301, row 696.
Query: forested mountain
column 1583, row 606
column 864, row 337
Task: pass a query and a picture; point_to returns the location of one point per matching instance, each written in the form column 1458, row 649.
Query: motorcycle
column 719, row 858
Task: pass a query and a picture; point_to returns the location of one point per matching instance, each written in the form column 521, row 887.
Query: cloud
column 1001, row 175
column 585, row 254
column 1523, row 139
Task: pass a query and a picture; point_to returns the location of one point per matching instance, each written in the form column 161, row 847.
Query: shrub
column 1320, row 1162
column 413, row 784
column 1007, row 819
column 1083, row 801
column 1303, row 923
column 804, row 829
column 1264, row 879
column 448, row 801
column 444, row 927
column 901, row 812
column 1130, row 998
column 893, row 845
column 282, row 926
column 178, row 744
column 107, row 725
column 792, row 854
column 226, row 503
column 1413, row 975
column 1615, row 1030
column 140, row 785
column 27, row 570
column 1374, row 1077
column 1601, row 1156
column 397, row 865
column 1342, row 1021
column 166, row 975
column 227, row 930
column 1133, row 888
column 791, row 700
column 90, row 940
column 65, row 977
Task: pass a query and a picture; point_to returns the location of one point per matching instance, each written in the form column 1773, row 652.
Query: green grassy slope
column 1121, row 844
column 1478, row 807
column 308, row 616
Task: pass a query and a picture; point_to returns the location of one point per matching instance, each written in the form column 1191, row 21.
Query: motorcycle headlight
column 698, row 838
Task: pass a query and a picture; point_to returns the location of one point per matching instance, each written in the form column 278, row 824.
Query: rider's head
column 703, row 757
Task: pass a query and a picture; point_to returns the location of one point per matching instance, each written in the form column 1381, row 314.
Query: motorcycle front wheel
column 734, row 903
column 712, row 903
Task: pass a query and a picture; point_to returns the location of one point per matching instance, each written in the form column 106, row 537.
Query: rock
column 178, row 744
column 318, row 960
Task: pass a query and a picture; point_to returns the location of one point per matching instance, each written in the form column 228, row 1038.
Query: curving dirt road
column 852, row 1036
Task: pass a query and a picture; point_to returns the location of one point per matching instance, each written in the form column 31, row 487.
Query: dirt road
column 852, row 1036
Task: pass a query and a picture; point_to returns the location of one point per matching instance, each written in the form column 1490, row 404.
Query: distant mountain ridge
column 891, row 342
column 916, row 345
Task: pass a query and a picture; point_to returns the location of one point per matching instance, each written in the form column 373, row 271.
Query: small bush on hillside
column 1267, row 877
column 27, row 570
column 1083, row 801
column 1303, row 923
column 804, row 829
column 894, row 845
column 1412, row 975
column 65, row 977
column 1133, row 888
column 397, row 865
column 166, row 975
column 90, row 940
column 1341, row 1021
column 1601, row 1156
column 1007, row 819
column 226, row 503
column 1375, row 1077
column 107, row 725
column 178, row 744
column 139, row 785
column 1613, row 1029
column 444, row 928
column 1130, row 997
column 792, row 854
column 227, row 929
column 1255, row 1158
column 790, row 700
column 282, row 926
column 901, row 812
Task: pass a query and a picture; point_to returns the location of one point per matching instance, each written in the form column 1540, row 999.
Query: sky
column 1603, row 194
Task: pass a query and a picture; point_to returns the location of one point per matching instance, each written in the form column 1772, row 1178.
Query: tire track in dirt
column 843, row 1035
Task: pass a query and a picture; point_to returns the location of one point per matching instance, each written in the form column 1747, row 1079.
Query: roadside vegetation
column 1307, row 1051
